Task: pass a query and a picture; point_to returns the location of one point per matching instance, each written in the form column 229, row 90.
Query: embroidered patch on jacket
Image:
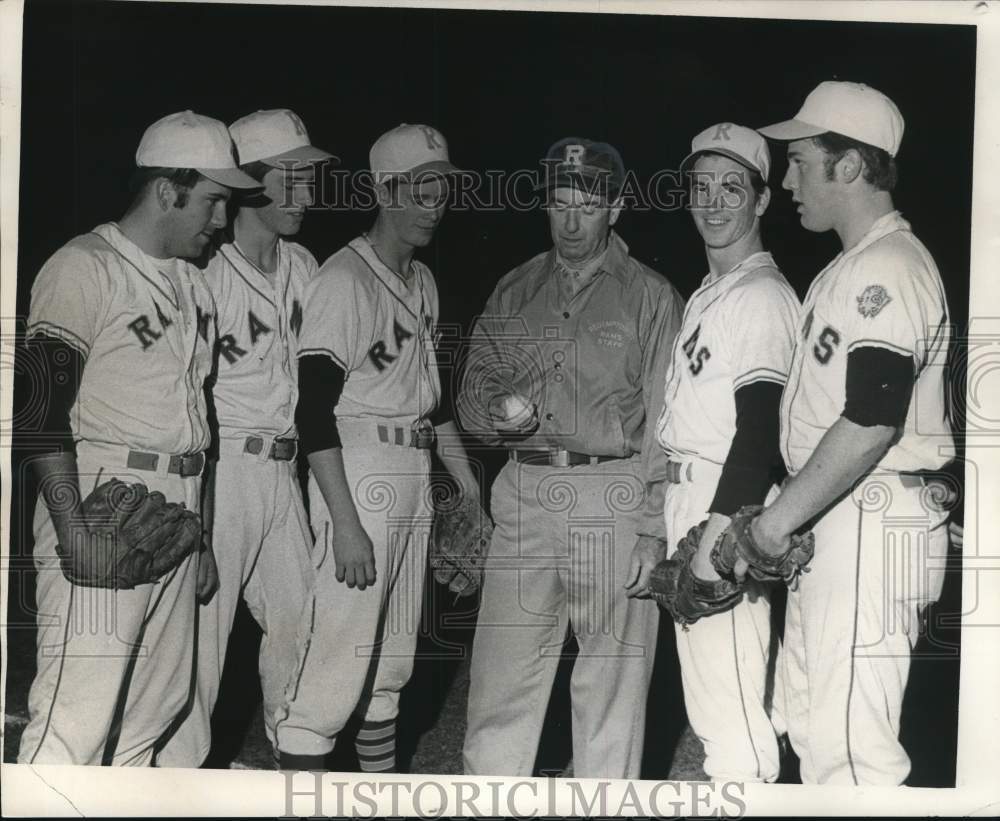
column 872, row 300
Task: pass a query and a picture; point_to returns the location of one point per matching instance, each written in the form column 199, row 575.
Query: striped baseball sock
column 376, row 746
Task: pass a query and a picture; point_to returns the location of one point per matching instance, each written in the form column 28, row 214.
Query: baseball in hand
column 517, row 410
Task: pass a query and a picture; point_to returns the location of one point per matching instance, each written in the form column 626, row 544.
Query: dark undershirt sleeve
column 444, row 412
column 62, row 366
column 321, row 381
column 879, row 387
column 754, row 461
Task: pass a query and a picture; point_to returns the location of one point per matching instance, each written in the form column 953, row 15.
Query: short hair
column 878, row 169
column 757, row 182
column 182, row 179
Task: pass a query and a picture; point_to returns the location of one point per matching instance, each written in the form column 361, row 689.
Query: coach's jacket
column 593, row 363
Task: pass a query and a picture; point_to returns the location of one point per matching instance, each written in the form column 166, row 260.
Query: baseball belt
column 922, row 478
column 677, row 472
column 282, row 450
column 557, row 457
column 185, row 465
column 419, row 435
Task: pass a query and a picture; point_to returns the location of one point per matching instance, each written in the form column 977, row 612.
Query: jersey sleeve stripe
column 303, row 352
column 760, row 375
column 58, row 332
column 880, row 343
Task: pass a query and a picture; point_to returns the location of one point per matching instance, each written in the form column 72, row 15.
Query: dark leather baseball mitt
column 675, row 587
column 127, row 537
column 737, row 542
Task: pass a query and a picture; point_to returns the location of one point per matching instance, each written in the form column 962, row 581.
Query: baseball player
column 126, row 325
column 719, row 428
column 565, row 365
column 368, row 391
column 862, row 418
column 261, row 536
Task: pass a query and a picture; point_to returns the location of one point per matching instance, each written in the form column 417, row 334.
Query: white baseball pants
column 851, row 626
column 262, row 547
column 363, row 641
column 724, row 657
column 109, row 657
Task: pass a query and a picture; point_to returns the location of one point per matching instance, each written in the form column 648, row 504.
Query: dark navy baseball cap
column 576, row 162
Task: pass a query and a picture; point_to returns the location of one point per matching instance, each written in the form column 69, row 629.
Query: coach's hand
column 647, row 553
column 353, row 556
column 513, row 414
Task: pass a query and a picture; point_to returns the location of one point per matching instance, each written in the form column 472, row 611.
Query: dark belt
column 557, row 457
column 923, row 478
column 187, row 465
column 283, row 450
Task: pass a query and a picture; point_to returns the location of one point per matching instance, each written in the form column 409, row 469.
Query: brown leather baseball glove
column 460, row 540
column 127, row 537
column 737, row 542
column 680, row 592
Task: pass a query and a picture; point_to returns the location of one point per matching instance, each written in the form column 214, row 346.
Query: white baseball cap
column 850, row 109
column 409, row 151
column 189, row 140
column 275, row 137
column 737, row 142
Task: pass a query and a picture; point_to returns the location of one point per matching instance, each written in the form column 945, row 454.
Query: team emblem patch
column 872, row 300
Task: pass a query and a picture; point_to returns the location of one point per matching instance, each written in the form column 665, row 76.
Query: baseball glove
column 737, row 542
column 128, row 537
column 460, row 539
column 680, row 592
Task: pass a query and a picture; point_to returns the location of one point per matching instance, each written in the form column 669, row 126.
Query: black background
column 501, row 86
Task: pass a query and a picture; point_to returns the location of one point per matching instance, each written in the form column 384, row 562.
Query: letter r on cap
column 300, row 129
column 722, row 131
column 431, row 137
column 574, row 154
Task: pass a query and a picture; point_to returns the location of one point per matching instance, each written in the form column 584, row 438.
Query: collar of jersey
column 883, row 226
column 366, row 253
column 280, row 282
column 141, row 261
column 756, row 260
column 406, row 283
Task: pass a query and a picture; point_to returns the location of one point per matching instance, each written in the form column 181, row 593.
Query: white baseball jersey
column 738, row 328
column 379, row 329
column 146, row 328
column 884, row 292
column 259, row 323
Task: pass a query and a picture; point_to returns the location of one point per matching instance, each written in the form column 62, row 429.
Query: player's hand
column 468, row 486
column 647, row 553
column 354, row 557
column 513, row 413
column 208, row 575
column 701, row 562
column 774, row 544
column 957, row 534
